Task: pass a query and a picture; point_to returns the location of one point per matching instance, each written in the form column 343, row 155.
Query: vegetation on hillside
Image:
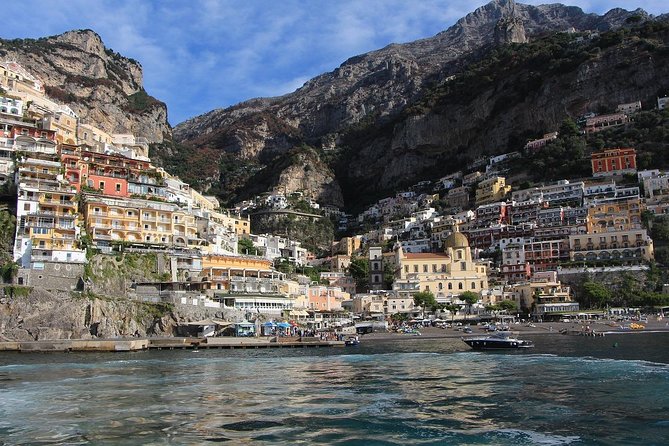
column 316, row 234
column 7, row 227
column 141, row 101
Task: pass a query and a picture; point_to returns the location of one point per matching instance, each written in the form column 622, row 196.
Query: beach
column 653, row 325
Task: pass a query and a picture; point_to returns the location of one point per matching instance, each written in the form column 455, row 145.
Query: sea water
column 566, row 391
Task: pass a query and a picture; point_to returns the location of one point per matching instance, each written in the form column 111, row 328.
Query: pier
column 136, row 344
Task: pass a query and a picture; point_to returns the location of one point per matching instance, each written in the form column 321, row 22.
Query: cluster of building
column 81, row 188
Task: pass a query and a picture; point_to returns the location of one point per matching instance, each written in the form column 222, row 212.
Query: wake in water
column 372, row 396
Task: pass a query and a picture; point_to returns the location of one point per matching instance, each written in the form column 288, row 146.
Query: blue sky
column 199, row 55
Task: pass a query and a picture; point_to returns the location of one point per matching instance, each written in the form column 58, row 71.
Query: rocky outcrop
column 104, row 88
column 42, row 315
column 372, row 91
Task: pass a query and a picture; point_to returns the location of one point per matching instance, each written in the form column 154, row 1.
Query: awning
column 283, row 325
column 204, row 322
column 298, row 313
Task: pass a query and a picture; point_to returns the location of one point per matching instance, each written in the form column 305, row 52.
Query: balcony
column 53, row 213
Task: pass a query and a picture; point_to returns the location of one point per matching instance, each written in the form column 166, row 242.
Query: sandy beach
column 540, row 328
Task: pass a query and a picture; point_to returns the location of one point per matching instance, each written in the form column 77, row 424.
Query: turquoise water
column 566, row 391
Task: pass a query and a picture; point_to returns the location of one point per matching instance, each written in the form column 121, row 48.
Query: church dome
column 456, row 240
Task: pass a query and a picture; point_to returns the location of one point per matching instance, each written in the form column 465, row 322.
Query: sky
column 199, row 55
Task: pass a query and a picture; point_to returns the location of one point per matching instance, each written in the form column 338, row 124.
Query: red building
column 32, row 131
column 70, row 158
column 613, row 162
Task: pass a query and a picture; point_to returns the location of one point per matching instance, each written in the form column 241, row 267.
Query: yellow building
column 64, row 124
column 46, row 214
column 491, row 190
column 544, row 294
column 446, row 275
column 139, row 221
column 631, row 246
column 15, row 78
column 623, row 215
column 233, row 273
column 347, row 246
column 93, row 136
column 233, row 223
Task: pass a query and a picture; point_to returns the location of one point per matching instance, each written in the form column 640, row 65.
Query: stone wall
column 54, row 277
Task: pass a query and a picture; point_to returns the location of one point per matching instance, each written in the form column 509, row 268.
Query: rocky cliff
column 104, row 88
column 37, row 314
column 357, row 114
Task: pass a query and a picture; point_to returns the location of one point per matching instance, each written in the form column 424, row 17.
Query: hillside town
column 83, row 193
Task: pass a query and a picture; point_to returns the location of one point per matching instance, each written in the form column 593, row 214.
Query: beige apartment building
column 446, row 274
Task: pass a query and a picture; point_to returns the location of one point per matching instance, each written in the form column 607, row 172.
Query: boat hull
column 494, row 344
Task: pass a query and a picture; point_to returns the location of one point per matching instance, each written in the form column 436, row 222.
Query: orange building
column 220, row 271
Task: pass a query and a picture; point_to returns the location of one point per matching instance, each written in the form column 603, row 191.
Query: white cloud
column 202, row 54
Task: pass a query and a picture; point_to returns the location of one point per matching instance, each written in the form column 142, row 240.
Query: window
column 473, row 286
column 101, row 185
column 118, row 187
column 463, row 266
column 424, row 268
column 459, row 285
column 26, row 206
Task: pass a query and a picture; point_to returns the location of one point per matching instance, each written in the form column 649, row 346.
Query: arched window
column 459, row 285
column 450, row 286
column 441, row 286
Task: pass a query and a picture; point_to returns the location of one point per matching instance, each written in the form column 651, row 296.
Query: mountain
column 104, row 88
column 388, row 118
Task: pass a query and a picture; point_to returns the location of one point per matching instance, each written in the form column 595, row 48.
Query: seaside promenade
column 181, row 343
column 163, row 343
column 539, row 328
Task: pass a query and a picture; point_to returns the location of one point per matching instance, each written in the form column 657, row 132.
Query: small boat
column 501, row 339
column 352, row 341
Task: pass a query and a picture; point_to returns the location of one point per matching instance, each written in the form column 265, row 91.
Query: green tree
column 424, row 299
column 8, row 270
column 569, row 128
column 398, row 318
column 470, row 298
column 453, row 309
column 507, row 305
column 359, row 270
column 595, row 295
column 245, row 246
column 388, row 276
column 7, row 226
